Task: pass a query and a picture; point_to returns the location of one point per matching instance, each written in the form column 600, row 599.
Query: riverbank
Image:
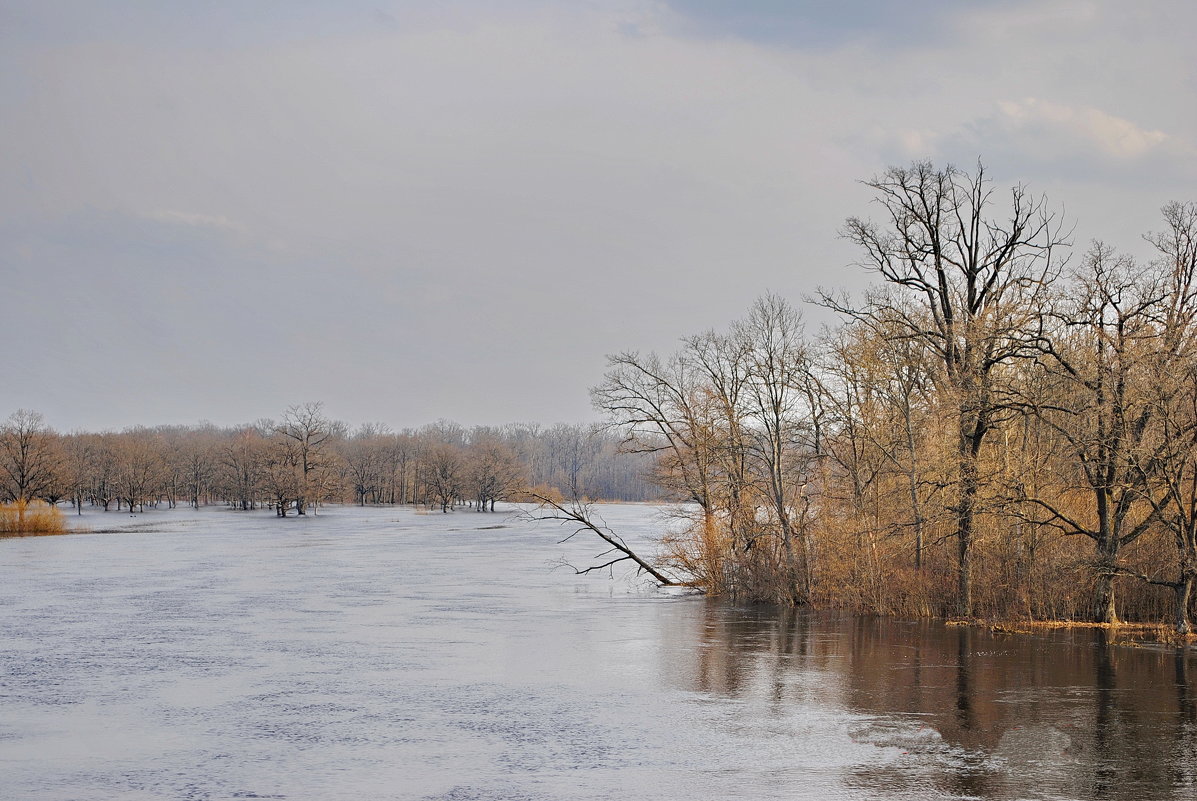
column 1133, row 634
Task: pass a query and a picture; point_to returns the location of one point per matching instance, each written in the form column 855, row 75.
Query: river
column 392, row 654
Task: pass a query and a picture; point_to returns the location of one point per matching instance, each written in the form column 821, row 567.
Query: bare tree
column 139, row 469
column 306, row 434
column 778, row 434
column 581, row 516
column 1172, row 388
column 365, row 458
column 1099, row 405
column 724, row 366
column 978, row 277
column 105, row 481
column 78, row 457
column 571, row 450
column 443, row 474
column 241, row 467
column 197, row 465
column 282, row 474
column 876, row 386
column 401, row 457
column 666, row 408
column 29, row 458
column 492, row 471
column 662, row 408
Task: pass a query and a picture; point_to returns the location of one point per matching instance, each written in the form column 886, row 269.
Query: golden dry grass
column 23, row 518
column 1121, row 633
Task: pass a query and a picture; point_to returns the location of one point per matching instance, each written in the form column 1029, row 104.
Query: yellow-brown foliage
column 701, row 549
column 31, row 517
column 535, row 494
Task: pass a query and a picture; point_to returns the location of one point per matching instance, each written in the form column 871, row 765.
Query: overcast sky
column 417, row 210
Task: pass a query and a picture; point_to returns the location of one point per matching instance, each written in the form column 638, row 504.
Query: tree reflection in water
column 962, row 711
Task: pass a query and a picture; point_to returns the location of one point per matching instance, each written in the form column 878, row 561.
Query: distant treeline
column 995, row 429
column 306, row 458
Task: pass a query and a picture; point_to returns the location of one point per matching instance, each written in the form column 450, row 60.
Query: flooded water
column 386, row 654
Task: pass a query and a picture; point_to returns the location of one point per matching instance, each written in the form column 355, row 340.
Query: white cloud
column 1072, row 127
column 1040, row 138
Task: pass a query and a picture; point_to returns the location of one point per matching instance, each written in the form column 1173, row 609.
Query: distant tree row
column 992, row 430
column 305, row 458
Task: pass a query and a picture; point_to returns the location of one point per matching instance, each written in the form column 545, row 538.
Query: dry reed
column 31, row 517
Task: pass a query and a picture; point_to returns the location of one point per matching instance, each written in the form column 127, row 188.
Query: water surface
column 383, row 653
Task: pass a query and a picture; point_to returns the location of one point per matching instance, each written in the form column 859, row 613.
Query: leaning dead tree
column 580, row 515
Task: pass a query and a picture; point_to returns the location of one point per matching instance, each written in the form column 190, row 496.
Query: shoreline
column 1121, row 633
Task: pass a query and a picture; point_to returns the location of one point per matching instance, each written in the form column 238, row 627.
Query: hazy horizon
column 413, row 211
column 275, row 416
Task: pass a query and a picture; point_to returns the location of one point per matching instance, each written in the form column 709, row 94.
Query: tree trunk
column 1184, row 593
column 1105, row 608
column 965, row 515
column 787, row 541
column 918, row 523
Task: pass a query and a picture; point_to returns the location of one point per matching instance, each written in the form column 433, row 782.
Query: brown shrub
column 31, row 517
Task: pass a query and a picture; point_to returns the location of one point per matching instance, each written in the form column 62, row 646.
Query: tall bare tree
column 978, row 275
column 1099, row 405
column 1173, row 389
column 779, row 436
